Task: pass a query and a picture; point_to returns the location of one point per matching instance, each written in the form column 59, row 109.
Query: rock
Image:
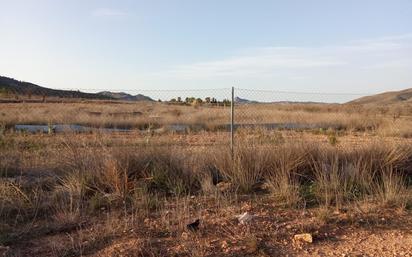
column 4, row 250
column 246, row 207
column 185, row 236
column 193, row 226
column 251, row 245
column 244, row 218
column 306, row 238
column 224, row 186
column 224, row 245
column 336, row 212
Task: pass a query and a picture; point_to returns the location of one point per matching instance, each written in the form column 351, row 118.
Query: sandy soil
column 365, row 232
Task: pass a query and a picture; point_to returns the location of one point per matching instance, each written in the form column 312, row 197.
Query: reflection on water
column 179, row 128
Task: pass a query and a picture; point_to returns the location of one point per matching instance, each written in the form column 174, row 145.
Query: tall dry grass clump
column 285, row 173
column 373, row 171
column 392, row 189
column 245, row 169
column 92, row 174
column 14, row 201
column 124, row 177
column 333, row 179
column 320, row 174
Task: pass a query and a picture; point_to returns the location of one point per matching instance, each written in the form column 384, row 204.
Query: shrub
column 283, row 176
column 245, row 171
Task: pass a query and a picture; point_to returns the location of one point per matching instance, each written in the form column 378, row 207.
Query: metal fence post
column 232, row 121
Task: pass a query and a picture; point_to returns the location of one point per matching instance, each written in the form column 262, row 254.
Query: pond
column 178, row 128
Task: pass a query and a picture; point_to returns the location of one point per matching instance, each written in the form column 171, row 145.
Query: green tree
column 226, row 102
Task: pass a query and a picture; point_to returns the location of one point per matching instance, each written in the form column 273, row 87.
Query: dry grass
column 283, row 178
column 116, row 175
column 112, row 183
column 140, row 115
column 386, row 121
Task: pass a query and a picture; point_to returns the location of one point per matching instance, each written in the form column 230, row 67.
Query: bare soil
column 360, row 231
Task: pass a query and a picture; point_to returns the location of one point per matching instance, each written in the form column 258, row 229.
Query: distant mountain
column 387, row 98
column 300, row 102
column 125, row 97
column 20, row 88
column 244, row 101
column 16, row 87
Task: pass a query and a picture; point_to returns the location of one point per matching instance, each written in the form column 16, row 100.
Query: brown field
column 391, row 120
column 346, row 181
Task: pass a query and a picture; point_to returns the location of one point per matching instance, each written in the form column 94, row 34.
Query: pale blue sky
column 347, row 46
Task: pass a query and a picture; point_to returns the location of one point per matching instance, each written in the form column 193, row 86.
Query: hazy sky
column 346, row 46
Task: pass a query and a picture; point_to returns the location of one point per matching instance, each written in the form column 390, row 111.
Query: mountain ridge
column 386, row 98
column 125, row 96
column 19, row 88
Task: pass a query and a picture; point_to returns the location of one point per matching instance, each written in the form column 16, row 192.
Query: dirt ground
column 273, row 236
column 351, row 242
column 359, row 231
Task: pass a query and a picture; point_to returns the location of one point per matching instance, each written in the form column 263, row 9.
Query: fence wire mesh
column 338, row 119
column 200, row 117
column 155, row 117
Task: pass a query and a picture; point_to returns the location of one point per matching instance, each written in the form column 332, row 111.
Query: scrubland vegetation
column 389, row 120
column 77, row 194
column 133, row 193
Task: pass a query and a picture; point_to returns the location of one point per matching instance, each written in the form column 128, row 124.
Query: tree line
column 199, row 101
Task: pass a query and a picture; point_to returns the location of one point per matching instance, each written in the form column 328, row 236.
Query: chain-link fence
column 204, row 117
column 337, row 119
column 146, row 117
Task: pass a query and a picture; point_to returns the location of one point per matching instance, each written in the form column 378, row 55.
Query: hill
column 15, row 88
column 239, row 100
column 244, row 101
column 387, row 98
column 125, row 97
column 20, row 88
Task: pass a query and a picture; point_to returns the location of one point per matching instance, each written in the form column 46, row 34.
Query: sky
column 329, row 46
